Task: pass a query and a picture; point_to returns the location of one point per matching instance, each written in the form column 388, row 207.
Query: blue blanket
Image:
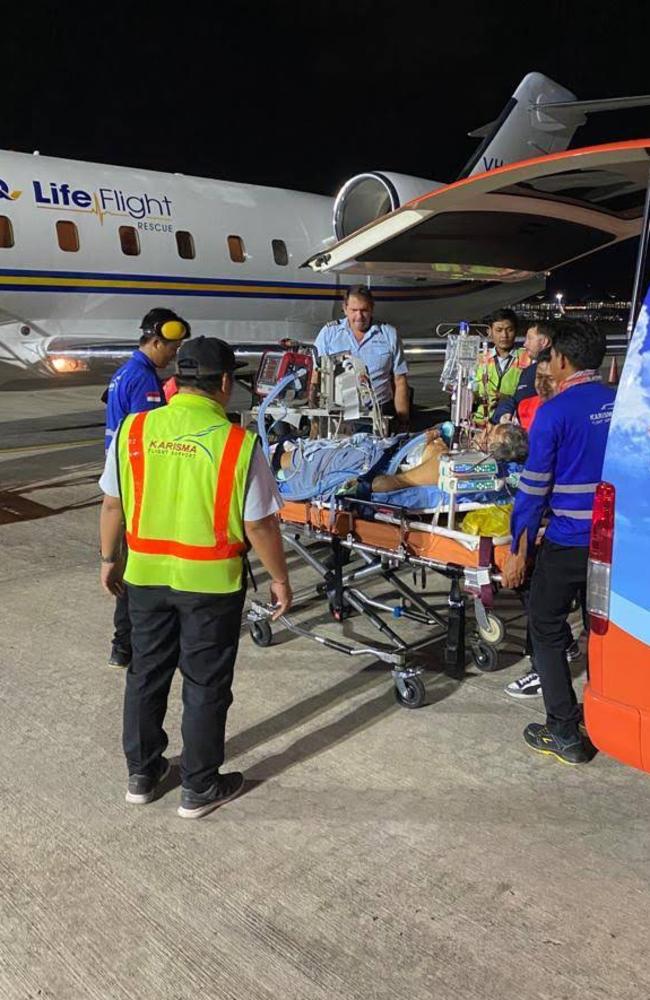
column 430, row 498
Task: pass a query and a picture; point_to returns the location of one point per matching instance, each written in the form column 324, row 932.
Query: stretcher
column 391, row 542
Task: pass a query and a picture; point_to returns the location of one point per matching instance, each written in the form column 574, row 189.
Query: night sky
column 306, row 94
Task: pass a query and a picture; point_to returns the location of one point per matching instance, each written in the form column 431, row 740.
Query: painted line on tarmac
column 49, row 447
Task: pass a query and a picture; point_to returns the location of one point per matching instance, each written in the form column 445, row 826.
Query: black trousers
column 524, row 596
column 122, row 623
column 199, row 633
column 560, row 575
column 121, row 620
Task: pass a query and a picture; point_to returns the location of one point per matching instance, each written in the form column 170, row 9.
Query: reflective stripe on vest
column 222, row 549
column 491, row 380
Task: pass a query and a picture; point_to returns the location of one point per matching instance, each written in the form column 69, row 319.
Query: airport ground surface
column 379, row 853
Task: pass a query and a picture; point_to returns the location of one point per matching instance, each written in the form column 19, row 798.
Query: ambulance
column 617, row 695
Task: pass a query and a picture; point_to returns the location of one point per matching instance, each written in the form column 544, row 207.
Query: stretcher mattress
column 419, row 540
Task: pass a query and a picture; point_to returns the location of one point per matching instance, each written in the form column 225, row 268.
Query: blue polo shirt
column 134, row 387
column 380, row 350
column 564, row 466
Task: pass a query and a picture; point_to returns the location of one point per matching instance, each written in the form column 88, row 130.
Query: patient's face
column 488, row 436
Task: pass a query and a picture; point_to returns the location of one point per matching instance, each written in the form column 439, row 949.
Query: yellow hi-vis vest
column 182, row 472
column 491, row 381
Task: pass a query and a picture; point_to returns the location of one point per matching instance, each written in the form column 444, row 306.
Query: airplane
column 87, row 249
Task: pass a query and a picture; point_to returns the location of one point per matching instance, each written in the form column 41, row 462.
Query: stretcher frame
column 395, row 541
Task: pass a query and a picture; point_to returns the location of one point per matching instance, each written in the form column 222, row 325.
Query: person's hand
column 111, row 578
column 281, row 597
column 506, row 418
column 433, row 434
column 514, row 571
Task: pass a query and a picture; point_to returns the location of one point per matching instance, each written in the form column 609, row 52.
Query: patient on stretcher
column 506, row 443
column 325, row 468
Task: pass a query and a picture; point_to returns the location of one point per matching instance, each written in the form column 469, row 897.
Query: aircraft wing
column 506, row 225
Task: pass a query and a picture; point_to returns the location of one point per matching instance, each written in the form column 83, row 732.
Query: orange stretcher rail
column 418, row 541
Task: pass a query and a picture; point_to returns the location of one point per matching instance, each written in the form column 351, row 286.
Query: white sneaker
column 528, row 686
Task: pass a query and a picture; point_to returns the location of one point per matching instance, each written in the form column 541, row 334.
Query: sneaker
column 528, row 686
column 543, row 740
column 573, row 651
column 581, row 721
column 119, row 657
column 142, row 787
column 196, row 804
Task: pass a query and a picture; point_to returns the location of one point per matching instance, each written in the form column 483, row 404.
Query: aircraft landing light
column 63, row 366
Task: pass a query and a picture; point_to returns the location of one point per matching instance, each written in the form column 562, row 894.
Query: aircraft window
column 129, row 241
column 280, row 254
column 236, row 249
column 6, row 233
column 68, row 236
column 185, row 245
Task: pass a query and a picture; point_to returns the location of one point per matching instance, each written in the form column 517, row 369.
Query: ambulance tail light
column 600, row 558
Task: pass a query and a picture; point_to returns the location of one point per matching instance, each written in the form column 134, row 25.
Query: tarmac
column 378, row 853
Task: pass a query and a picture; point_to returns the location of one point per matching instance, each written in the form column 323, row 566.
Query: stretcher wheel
column 261, row 633
column 484, row 656
column 415, row 693
column 494, row 633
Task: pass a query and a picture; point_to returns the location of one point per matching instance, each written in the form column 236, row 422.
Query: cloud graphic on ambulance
column 6, row 194
column 626, row 463
column 629, row 439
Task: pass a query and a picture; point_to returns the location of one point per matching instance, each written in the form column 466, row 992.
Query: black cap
column 204, row 356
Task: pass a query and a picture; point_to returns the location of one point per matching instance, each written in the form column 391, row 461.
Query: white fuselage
column 52, row 298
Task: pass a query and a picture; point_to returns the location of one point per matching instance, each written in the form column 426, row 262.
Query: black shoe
column 142, row 787
column 196, row 804
column 119, row 657
column 543, row 740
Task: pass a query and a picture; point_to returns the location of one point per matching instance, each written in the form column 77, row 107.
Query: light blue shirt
column 380, row 350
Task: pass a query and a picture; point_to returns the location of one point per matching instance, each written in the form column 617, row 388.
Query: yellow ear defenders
column 173, row 329
column 167, row 326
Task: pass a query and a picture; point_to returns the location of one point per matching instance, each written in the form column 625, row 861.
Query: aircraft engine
column 367, row 197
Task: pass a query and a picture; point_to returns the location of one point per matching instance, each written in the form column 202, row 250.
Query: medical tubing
column 404, row 450
column 282, row 384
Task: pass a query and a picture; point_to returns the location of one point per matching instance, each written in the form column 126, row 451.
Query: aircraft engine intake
column 367, row 197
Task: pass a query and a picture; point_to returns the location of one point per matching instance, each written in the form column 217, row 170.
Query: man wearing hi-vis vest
column 190, row 489
column 498, row 373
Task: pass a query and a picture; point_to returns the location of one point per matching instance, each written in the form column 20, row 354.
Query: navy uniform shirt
column 380, row 350
column 564, row 465
column 134, row 387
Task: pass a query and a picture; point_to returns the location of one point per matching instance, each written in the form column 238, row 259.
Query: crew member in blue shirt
column 135, row 387
column 377, row 344
column 538, row 338
column 564, row 466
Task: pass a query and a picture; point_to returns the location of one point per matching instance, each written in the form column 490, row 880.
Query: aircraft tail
column 540, row 118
